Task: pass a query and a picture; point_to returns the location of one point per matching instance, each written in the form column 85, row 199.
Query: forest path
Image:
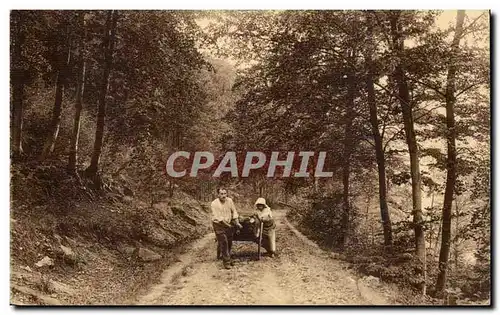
column 300, row 274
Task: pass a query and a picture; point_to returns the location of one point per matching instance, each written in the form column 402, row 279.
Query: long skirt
column 269, row 237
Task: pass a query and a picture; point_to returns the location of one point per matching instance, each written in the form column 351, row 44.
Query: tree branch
column 369, row 142
column 347, row 61
column 427, row 113
column 464, row 30
column 416, row 119
column 469, row 87
column 379, row 23
column 393, row 137
column 427, row 85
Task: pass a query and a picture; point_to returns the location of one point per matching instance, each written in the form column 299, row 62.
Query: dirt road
column 300, row 274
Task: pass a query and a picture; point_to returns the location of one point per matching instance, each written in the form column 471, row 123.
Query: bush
column 37, row 120
column 324, row 220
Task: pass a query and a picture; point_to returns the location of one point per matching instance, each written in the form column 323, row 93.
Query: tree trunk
column 457, row 227
column 431, row 234
column 109, row 39
column 17, row 81
column 171, row 187
column 379, row 151
column 437, row 238
column 404, row 98
column 368, row 202
column 73, row 149
column 55, row 124
column 348, row 144
column 451, row 166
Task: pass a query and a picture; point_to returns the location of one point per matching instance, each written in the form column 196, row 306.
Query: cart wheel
column 260, row 240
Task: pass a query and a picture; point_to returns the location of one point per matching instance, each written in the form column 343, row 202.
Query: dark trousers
column 224, row 242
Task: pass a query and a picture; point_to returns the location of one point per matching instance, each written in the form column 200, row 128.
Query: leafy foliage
column 272, row 81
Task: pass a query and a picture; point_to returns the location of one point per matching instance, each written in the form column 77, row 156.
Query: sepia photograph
column 250, row 157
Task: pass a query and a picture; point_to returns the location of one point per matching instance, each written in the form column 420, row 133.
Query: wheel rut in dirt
column 300, row 274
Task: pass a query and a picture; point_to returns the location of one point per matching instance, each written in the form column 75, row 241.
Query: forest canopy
column 398, row 102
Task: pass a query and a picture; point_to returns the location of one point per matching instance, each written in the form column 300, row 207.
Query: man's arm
column 234, row 213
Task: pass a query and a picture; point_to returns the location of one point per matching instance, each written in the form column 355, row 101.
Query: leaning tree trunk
column 73, row 149
column 451, row 165
column 379, row 151
column 17, row 77
column 57, row 109
column 455, row 242
column 109, row 39
column 440, row 227
column 348, row 145
column 406, row 107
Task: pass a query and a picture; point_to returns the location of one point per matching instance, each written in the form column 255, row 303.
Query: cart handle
column 261, row 231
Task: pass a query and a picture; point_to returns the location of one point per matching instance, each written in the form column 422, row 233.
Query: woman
column 263, row 212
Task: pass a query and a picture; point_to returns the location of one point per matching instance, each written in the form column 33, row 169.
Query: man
column 224, row 217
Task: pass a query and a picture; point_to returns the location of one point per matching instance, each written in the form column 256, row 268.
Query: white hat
column 261, row 201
